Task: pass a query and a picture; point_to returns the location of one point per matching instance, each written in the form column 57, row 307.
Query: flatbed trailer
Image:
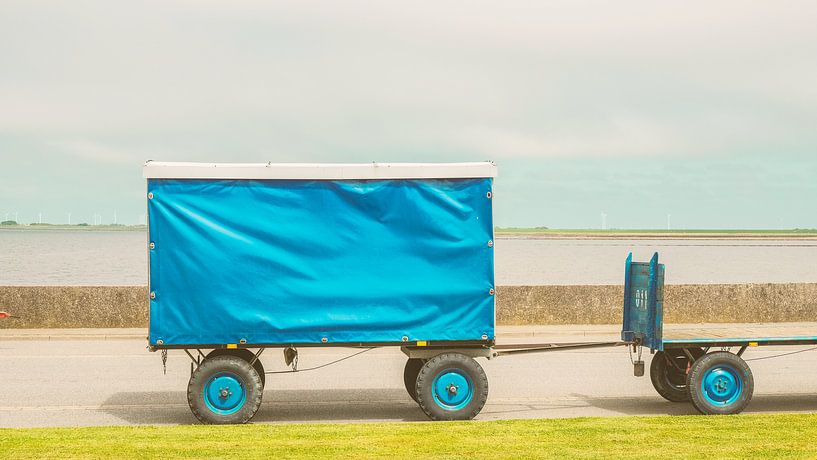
column 701, row 365
column 248, row 257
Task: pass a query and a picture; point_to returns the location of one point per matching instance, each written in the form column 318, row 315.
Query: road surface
column 118, row 382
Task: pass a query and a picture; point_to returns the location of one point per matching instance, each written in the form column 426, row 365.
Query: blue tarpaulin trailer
column 305, row 261
column 246, row 257
column 252, row 256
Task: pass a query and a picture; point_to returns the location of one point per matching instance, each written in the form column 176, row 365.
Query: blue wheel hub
column 452, row 389
column 722, row 385
column 224, row 393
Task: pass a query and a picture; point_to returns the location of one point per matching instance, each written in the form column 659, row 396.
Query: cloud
column 520, row 79
column 97, row 153
column 621, row 136
column 585, row 84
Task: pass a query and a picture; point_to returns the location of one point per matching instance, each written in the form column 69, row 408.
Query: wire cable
column 322, row 365
column 783, row 354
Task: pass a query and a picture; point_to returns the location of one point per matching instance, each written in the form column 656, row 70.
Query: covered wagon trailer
column 244, row 257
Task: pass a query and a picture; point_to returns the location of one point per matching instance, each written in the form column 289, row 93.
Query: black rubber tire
column 667, row 380
column 410, row 373
column 244, row 354
column 696, row 376
column 441, row 363
column 224, row 363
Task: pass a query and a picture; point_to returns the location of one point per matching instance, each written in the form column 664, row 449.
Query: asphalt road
column 116, row 382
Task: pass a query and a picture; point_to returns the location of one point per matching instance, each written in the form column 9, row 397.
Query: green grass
column 745, row 436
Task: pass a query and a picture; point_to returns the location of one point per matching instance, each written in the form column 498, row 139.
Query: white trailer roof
column 320, row 171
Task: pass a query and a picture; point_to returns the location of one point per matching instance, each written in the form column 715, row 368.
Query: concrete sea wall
column 73, row 306
column 126, row 306
column 683, row 303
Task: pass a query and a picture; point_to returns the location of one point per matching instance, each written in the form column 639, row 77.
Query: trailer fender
column 244, row 354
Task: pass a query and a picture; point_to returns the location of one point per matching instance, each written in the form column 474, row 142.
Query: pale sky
column 703, row 110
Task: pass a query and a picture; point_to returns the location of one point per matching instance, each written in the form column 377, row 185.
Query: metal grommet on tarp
column 152, row 295
column 150, row 195
column 152, row 245
column 490, row 243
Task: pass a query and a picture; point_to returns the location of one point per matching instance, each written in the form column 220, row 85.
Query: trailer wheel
column 244, row 354
column 720, row 383
column 668, row 373
column 452, row 386
column 410, row 373
column 224, row 389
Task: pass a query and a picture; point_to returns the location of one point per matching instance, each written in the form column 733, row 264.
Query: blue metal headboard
column 643, row 302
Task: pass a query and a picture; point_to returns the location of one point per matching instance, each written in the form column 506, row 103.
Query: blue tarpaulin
column 306, row 261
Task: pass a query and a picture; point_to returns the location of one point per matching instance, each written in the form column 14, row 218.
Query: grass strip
column 743, row 436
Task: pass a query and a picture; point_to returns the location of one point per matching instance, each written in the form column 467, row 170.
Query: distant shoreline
column 80, row 228
column 535, row 233
column 519, row 233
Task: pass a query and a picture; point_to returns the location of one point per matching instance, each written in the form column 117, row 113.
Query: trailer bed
column 740, row 334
